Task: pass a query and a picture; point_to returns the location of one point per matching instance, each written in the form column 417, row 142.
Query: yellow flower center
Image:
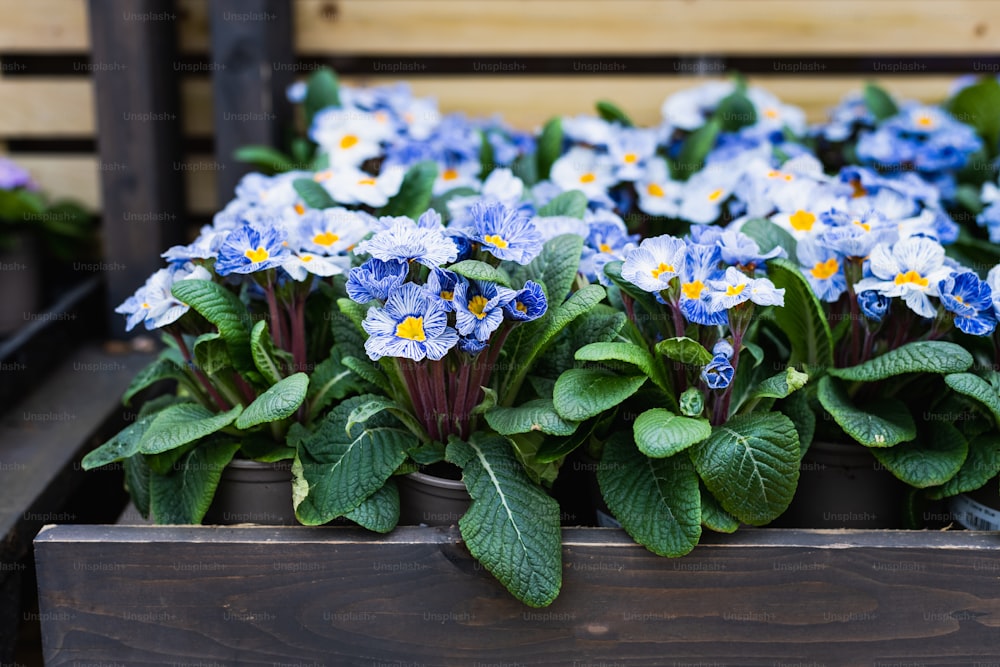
column 654, row 189
column 412, row 328
column 496, row 240
column 630, row 158
column 145, row 305
column 325, row 238
column 348, row 141
column 911, row 278
column 734, row 290
column 714, row 195
column 824, row 270
column 258, row 255
column 858, row 189
column 521, row 307
column 604, row 247
column 661, row 269
column 589, row 177
column 693, row 290
column 771, row 113
column 446, row 295
column 863, row 225
column 366, row 181
column 306, row 258
column 321, row 176
column 925, row 121
column 774, row 173
column 802, row 221
column 381, row 117
column 958, row 298
column 476, row 306
column 449, row 174
column 300, row 209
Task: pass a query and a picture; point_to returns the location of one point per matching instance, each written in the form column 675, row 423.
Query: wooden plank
column 44, row 25
column 249, row 37
column 153, row 595
column 38, row 107
column 503, row 27
column 138, row 125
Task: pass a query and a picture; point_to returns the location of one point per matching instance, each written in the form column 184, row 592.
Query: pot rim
column 439, row 482
column 250, row 464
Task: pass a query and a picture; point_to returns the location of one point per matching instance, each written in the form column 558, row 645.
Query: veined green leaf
column 884, row 422
column 476, row 270
column 980, row 466
column 122, row 445
column 378, row 512
column 685, row 350
column 657, row 501
column 264, row 157
column 322, row 91
column 611, row 113
column 582, row 393
column 796, row 407
column 183, row 423
column 801, row 318
column 780, row 385
column 769, row 236
column 660, row 433
column 915, row 357
column 931, row 460
column 313, row 194
column 977, row 388
column 163, row 368
column 549, row 147
column 713, row 516
column 266, row 357
column 751, row 465
column 695, row 149
column 223, row 309
column 414, row 196
column 184, row 495
column 536, row 415
column 879, row 103
column 571, row 203
column 279, row 401
column 512, row 526
column 630, row 353
column 555, row 267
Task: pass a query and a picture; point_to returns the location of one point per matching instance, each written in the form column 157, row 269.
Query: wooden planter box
column 144, row 595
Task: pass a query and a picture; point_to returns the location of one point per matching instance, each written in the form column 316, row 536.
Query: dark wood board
column 341, row 596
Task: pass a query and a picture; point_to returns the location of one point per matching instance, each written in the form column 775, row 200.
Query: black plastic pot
column 841, row 485
column 253, row 492
column 20, row 283
column 431, row 500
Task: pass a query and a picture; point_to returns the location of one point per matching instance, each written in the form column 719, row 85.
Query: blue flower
column 723, row 348
column 332, row 230
column 441, row 287
column 971, row 301
column 737, row 287
column 410, row 325
column 873, row 305
column 990, row 219
column 993, row 280
column 718, row 373
column 249, row 249
column 911, row 269
column 375, row 280
column 404, row 241
column 855, row 236
column 702, row 266
column 153, row 304
column 505, row 232
column 472, row 346
column 528, row 303
column 738, row 249
column 823, row 269
column 655, row 263
column 479, row 308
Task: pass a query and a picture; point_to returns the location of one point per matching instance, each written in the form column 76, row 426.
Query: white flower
column 655, row 262
column 910, row 269
column 583, row 169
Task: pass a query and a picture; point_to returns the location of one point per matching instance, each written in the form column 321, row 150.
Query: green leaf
column 122, row 445
column 163, row 368
column 549, row 147
column 367, row 371
column 660, row 433
column 572, row 203
column 378, row 512
column 137, row 481
column 223, row 309
column 780, row 385
column 582, row 393
column 695, row 149
column 884, row 423
column 685, row 350
column 879, row 102
column 915, row 357
column 279, row 401
column 211, row 354
column 322, row 91
column 802, row 318
column 796, row 407
column 185, row 494
column 555, row 267
column 536, row 415
column 714, row 517
column 976, row 388
column 657, row 501
column 183, row 423
column 512, row 526
column 313, row 194
column 476, row 270
column 260, row 446
column 339, row 467
column 751, row 465
column 266, row 357
column 769, row 236
column 611, row 113
column 414, row 196
column 330, row 380
column 980, row 467
column 265, row 157
column 630, row 353
column 735, row 111
column 930, row 460
column 977, row 105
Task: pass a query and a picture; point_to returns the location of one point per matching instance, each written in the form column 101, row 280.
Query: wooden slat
column 55, row 107
column 383, row 27
column 248, row 595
